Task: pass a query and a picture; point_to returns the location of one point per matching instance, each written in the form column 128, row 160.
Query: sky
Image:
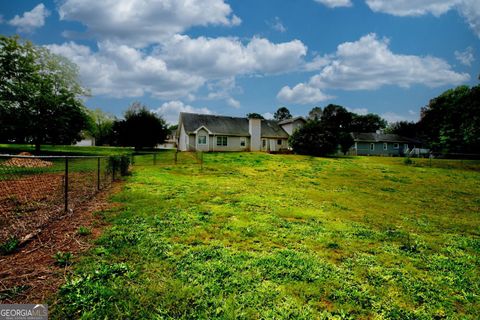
column 233, row 57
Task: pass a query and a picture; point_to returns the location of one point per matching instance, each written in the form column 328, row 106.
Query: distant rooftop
column 381, row 137
column 231, row 126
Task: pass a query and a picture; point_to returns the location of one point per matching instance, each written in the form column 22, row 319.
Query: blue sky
column 232, row 57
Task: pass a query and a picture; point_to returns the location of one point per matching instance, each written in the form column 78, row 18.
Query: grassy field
column 64, row 150
column 281, row 236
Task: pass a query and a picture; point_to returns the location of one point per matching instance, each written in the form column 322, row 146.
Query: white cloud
column 412, row 7
column 360, row 111
column 171, row 110
column 179, row 66
column 302, row 94
column 369, row 64
column 317, row 63
column 30, row 20
column 277, row 25
column 395, row 117
column 267, row 115
column 142, row 22
column 226, row 57
column 123, row 71
column 335, row 3
column 233, row 103
column 469, row 9
column 465, row 57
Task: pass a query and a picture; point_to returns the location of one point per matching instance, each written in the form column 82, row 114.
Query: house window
column 396, row 146
column 279, row 142
column 385, row 146
column 242, row 142
column 221, row 141
column 372, row 146
column 264, row 143
column 202, row 139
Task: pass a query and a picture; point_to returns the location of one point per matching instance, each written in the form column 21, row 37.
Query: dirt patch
column 30, row 275
column 27, row 202
column 27, row 162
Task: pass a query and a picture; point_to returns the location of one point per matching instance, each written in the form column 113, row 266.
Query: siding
column 363, row 148
column 233, row 144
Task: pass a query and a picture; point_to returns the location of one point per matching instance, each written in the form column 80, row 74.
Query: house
column 292, row 124
column 382, row 144
column 203, row 132
column 170, row 141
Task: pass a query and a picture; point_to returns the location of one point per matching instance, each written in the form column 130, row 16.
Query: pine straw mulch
column 29, row 275
column 27, row 162
column 31, row 201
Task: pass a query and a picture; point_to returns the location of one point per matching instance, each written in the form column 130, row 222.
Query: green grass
column 259, row 236
column 64, row 150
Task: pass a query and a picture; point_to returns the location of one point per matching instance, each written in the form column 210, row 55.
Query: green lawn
column 281, row 236
column 64, row 150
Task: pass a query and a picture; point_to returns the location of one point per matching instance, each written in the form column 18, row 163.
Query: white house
column 204, row 132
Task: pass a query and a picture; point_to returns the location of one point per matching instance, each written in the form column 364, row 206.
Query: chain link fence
column 37, row 189
column 166, row 158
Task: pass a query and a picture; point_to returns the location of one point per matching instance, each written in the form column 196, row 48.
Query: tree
column 101, row 127
column 345, row 140
column 254, row 115
column 313, row 139
column 282, row 114
column 336, row 118
column 141, row 128
column 403, row 128
column 315, row 113
column 39, row 95
column 451, row 121
column 367, row 123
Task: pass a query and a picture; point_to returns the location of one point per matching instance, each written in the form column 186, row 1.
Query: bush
column 84, row 231
column 116, row 163
column 63, row 259
column 313, row 139
column 9, row 246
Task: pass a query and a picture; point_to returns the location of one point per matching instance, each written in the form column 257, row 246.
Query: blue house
column 381, row 144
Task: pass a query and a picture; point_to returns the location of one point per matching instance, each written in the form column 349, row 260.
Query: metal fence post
column 201, row 161
column 113, row 169
column 98, row 173
column 66, row 185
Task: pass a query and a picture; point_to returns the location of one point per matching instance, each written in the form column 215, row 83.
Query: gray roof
column 292, row 120
column 381, row 137
column 230, row 126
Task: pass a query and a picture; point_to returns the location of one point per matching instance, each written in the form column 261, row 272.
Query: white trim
column 203, row 127
column 372, row 146
column 385, row 146
column 396, row 145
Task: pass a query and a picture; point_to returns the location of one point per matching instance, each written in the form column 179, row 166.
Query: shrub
column 9, row 246
column 407, row 161
column 63, row 259
column 119, row 164
column 84, row 231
